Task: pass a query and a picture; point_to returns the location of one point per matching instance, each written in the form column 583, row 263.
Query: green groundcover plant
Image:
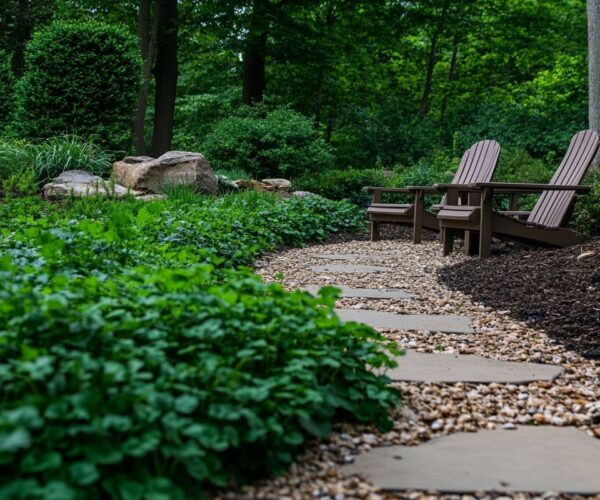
column 139, row 360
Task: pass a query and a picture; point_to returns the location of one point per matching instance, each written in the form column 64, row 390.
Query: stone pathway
column 452, row 368
column 467, row 396
column 535, row 459
column 416, row 322
column 350, row 268
column 365, row 293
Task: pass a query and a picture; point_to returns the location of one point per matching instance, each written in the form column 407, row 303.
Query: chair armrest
column 386, row 189
column 457, row 187
column 425, row 189
column 508, row 187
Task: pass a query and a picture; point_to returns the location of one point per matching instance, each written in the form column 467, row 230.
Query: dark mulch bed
column 553, row 290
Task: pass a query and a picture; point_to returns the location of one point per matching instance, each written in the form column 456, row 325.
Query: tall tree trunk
column 146, row 37
column 432, row 61
column 451, row 78
column 23, row 31
column 255, row 53
column 319, row 94
column 593, row 13
column 165, row 73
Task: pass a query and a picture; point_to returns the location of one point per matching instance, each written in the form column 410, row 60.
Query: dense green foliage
column 49, row 158
column 137, row 362
column 280, row 143
column 80, row 78
column 347, row 184
column 7, row 82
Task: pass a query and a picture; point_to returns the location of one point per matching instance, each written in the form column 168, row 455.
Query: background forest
column 326, row 92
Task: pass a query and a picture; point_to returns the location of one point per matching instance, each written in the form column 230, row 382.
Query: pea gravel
column 430, row 409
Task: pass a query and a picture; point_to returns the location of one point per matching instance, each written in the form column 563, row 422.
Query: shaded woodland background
column 384, row 82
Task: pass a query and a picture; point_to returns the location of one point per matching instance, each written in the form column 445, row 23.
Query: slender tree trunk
column 431, row 62
column 166, row 72
column 146, row 36
column 254, row 56
column 593, row 12
column 23, row 31
column 451, row 78
column 319, row 94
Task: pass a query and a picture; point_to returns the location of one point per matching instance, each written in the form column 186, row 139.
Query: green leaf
column 186, row 404
column 84, row 473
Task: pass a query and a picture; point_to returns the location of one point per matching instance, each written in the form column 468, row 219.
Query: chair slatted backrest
column 553, row 206
column 478, row 163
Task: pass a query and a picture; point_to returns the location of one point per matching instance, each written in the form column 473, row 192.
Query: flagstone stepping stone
column 528, row 459
column 420, row 322
column 354, row 256
column 365, row 293
column 350, row 268
column 451, row 368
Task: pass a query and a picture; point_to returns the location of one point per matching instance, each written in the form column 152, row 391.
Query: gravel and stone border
column 430, row 409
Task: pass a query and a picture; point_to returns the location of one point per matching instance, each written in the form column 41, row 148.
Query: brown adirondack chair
column 543, row 226
column 477, row 165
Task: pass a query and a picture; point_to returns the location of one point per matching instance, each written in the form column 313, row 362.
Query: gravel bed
column 432, row 410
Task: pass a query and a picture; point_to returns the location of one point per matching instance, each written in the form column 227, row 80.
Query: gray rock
column 81, row 183
column 173, row 167
column 528, row 459
column 417, row 322
column 303, row 194
column 451, row 368
column 278, row 184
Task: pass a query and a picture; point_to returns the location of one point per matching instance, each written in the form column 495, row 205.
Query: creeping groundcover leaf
column 156, row 366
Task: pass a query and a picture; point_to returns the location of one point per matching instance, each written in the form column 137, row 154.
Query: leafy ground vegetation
column 141, row 359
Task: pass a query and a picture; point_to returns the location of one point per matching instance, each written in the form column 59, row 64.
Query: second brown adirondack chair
column 478, row 164
column 544, row 225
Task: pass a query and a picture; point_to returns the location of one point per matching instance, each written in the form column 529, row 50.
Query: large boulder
column 82, row 183
column 175, row 167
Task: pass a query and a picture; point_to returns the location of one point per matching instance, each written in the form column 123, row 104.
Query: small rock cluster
column 145, row 178
column 139, row 176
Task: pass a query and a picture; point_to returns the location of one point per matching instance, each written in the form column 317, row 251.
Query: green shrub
column 136, row 363
column 519, row 166
column 342, row 184
column 279, row 143
column 6, row 89
column 21, row 183
column 49, row 158
column 587, row 208
column 196, row 115
column 81, row 78
column 438, row 167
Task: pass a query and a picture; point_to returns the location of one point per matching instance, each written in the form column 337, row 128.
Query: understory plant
column 49, row 158
column 138, row 359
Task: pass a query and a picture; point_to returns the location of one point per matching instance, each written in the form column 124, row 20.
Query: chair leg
column 375, row 231
column 471, row 243
column 418, row 217
column 448, row 235
column 485, row 225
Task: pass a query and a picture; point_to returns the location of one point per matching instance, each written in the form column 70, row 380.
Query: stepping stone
column 342, row 268
column 365, row 293
column 420, row 322
column 451, row 368
column 334, row 256
column 528, row 459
